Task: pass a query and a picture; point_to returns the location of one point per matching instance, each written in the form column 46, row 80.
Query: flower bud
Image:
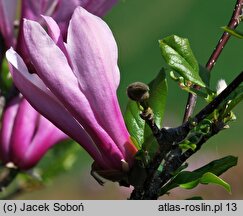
column 138, row 91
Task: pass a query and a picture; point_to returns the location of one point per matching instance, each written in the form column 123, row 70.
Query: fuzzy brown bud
column 138, row 91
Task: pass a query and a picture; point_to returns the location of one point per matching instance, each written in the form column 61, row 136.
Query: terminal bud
column 138, row 91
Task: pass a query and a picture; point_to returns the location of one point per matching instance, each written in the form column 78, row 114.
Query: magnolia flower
column 75, row 85
column 60, row 10
column 25, row 135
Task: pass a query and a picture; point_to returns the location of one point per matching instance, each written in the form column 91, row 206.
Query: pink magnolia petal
column 65, row 10
column 24, row 128
column 91, row 47
column 54, row 31
column 93, row 37
column 62, row 10
column 98, row 7
column 53, row 68
column 55, row 34
column 7, row 123
column 46, row 135
column 7, row 18
column 33, row 9
column 42, row 100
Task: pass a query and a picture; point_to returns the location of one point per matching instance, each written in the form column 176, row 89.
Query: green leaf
column 187, row 145
column 206, row 179
column 219, row 166
column 190, row 185
column 179, row 56
column 157, row 101
column 182, row 167
column 213, row 179
column 233, row 32
column 188, row 180
column 158, row 94
column 135, row 124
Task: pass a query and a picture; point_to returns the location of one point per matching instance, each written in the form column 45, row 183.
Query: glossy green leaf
column 179, row 56
column 189, row 145
column 190, row 185
column 219, row 166
column 209, row 177
column 135, row 124
column 157, row 101
column 188, row 180
column 158, row 94
column 233, row 32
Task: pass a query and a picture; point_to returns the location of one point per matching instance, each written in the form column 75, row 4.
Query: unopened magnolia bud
column 138, row 91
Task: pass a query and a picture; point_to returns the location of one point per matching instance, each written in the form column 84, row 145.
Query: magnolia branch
column 233, row 23
column 173, row 136
column 175, row 162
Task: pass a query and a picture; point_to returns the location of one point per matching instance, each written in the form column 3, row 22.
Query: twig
column 7, row 176
column 151, row 190
column 176, row 162
column 216, row 102
column 234, row 22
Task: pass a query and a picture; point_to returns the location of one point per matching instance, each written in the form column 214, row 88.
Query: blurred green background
column 137, row 26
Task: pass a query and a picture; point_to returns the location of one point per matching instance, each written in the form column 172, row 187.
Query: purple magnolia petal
column 99, row 7
column 65, row 10
column 8, row 117
column 62, row 10
column 86, row 28
column 55, row 34
column 7, row 18
column 42, row 100
column 24, row 128
column 53, row 68
column 33, row 9
column 44, row 137
column 91, row 47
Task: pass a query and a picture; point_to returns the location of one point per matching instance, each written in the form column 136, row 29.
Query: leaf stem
column 233, row 23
